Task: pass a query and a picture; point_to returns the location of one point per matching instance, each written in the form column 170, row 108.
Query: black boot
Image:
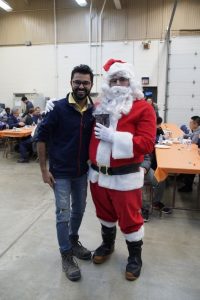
column 103, row 252
column 70, row 266
column 134, row 265
column 78, row 250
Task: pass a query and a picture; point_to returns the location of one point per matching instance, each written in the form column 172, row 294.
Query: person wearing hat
column 124, row 132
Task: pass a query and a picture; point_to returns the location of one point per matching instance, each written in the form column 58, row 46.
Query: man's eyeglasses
column 78, row 83
column 121, row 80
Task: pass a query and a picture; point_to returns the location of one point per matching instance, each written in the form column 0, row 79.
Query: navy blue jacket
column 13, row 121
column 67, row 133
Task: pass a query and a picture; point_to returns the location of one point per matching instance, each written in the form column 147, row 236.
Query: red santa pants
column 124, row 206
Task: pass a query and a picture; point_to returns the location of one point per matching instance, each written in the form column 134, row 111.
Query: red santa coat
column 134, row 137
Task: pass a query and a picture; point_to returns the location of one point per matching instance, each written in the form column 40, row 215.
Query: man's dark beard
column 80, row 97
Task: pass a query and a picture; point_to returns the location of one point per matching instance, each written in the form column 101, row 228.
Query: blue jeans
column 70, row 194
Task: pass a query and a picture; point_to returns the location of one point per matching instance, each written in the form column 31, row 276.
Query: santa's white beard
column 116, row 100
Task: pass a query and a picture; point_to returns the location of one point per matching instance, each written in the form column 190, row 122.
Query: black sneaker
column 158, row 205
column 145, row 214
column 80, row 252
column 70, row 266
column 23, row 160
column 167, row 210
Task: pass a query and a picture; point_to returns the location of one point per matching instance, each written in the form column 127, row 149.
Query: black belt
column 122, row 170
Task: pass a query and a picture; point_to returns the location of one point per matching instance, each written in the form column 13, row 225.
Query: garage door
column 184, row 79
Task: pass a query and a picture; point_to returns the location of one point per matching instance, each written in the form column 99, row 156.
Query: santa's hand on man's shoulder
column 49, row 105
column 103, row 133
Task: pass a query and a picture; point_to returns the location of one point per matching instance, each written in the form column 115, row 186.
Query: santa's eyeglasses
column 121, row 80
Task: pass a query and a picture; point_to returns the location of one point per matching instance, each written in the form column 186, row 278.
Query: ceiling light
column 81, row 2
column 5, row 5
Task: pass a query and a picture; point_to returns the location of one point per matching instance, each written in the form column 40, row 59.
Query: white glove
column 103, row 133
column 49, row 105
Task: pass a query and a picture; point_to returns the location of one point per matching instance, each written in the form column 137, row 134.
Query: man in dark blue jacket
column 14, row 119
column 66, row 131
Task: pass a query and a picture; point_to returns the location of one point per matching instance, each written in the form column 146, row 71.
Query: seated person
column 27, row 146
column 195, row 129
column 37, row 117
column 14, row 119
column 28, row 120
column 5, row 114
column 25, row 149
column 159, row 129
column 2, row 125
column 188, row 179
column 157, row 186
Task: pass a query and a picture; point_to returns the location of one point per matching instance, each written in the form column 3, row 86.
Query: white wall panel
column 69, row 56
column 26, row 70
column 184, row 74
column 33, row 69
column 184, row 79
column 188, row 88
column 185, row 60
column 185, row 45
column 146, row 61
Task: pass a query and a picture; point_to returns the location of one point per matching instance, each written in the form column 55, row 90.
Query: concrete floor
column 30, row 267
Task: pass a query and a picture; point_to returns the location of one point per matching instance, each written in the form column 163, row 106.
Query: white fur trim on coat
column 135, row 236
column 103, row 153
column 107, row 224
column 122, row 146
column 125, row 182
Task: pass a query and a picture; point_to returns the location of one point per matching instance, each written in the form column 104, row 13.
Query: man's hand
column 48, row 178
column 21, row 124
column 49, row 105
column 103, row 133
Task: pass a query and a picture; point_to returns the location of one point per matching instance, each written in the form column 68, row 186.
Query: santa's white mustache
column 116, row 91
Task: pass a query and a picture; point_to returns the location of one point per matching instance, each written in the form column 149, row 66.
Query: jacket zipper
column 80, row 145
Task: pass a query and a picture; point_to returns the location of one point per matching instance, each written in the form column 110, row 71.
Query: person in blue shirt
column 65, row 132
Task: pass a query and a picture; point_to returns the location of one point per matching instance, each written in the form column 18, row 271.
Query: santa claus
column 124, row 131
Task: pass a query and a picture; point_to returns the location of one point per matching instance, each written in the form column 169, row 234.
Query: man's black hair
column 24, row 98
column 159, row 120
column 83, row 69
column 196, row 119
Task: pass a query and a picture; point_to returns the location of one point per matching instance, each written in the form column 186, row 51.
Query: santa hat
column 114, row 66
